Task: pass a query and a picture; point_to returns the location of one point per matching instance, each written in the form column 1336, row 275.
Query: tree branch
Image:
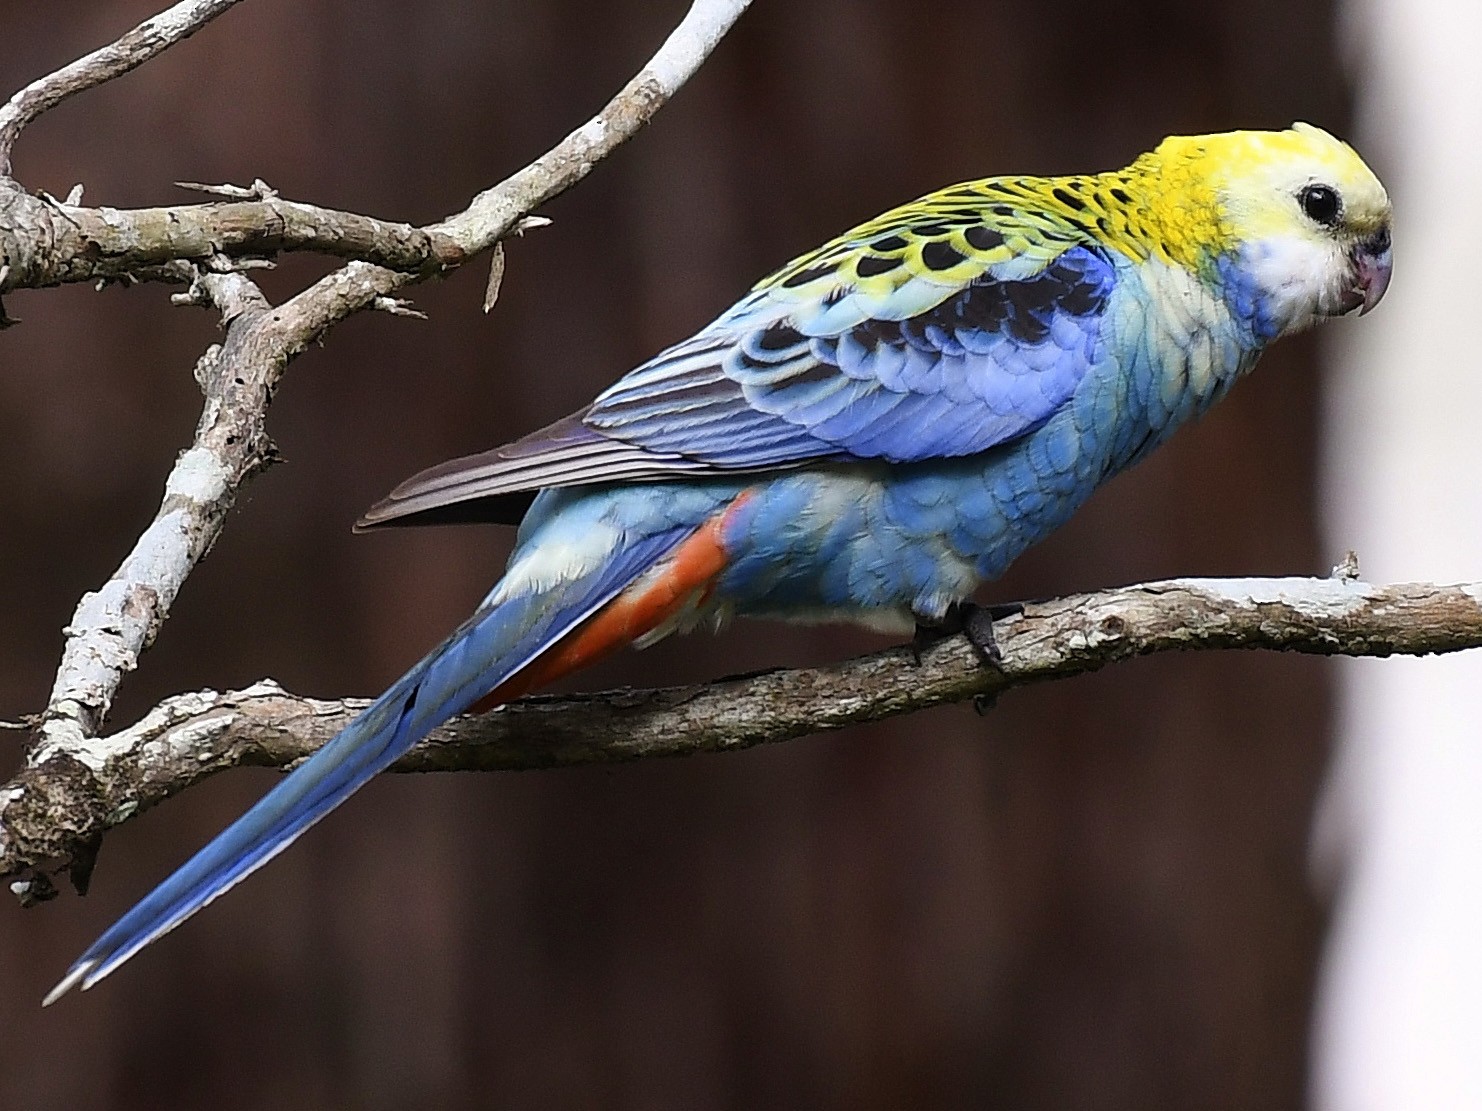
column 53, row 813
column 45, row 242
column 49, row 242
column 113, row 625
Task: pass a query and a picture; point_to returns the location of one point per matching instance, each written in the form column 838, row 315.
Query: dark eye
column 1321, row 203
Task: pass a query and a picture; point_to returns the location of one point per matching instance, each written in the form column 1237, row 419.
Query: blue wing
column 983, row 366
column 921, row 369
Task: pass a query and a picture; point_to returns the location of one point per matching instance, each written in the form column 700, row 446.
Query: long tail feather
column 487, row 650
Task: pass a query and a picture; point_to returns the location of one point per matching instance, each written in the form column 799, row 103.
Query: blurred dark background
column 1093, row 897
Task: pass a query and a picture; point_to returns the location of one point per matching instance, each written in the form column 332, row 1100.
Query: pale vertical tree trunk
column 1399, row 1020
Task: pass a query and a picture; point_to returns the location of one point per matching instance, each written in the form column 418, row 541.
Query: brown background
column 1095, row 897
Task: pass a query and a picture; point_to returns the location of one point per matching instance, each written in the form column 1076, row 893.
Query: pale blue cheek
column 1249, row 306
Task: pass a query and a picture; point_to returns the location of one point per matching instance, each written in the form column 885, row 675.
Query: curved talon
column 975, row 622
column 977, row 626
column 971, row 620
column 923, row 638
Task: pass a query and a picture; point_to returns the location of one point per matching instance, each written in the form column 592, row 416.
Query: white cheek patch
column 1301, row 279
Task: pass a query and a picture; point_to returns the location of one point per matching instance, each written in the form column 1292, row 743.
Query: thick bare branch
column 51, row 243
column 151, row 37
column 112, row 625
column 53, row 813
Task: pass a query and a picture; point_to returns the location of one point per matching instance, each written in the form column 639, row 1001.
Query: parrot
column 867, row 436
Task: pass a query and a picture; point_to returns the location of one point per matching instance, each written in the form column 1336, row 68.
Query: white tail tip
column 70, row 981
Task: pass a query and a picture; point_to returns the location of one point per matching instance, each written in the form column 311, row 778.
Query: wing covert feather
column 892, row 345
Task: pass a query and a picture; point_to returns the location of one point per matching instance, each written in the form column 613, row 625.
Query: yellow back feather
column 1187, row 201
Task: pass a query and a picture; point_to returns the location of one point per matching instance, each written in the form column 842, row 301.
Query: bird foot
column 971, row 620
column 976, row 623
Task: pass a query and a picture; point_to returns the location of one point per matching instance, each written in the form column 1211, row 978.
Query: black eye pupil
column 1321, row 203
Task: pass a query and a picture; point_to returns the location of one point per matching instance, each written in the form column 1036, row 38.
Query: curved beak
column 1371, row 270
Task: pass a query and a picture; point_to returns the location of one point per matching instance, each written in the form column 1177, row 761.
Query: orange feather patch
column 691, row 568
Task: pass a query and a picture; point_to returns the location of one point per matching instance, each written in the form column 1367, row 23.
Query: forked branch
column 44, row 241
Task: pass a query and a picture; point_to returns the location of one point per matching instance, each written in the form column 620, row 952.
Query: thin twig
column 259, row 190
column 133, row 49
column 498, row 212
column 495, row 212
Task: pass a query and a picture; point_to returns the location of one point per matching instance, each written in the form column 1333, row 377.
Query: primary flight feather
column 869, row 434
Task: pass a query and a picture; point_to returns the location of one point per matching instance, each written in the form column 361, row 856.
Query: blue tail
column 488, row 649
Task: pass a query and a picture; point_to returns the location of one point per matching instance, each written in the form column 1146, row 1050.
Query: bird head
column 1304, row 220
